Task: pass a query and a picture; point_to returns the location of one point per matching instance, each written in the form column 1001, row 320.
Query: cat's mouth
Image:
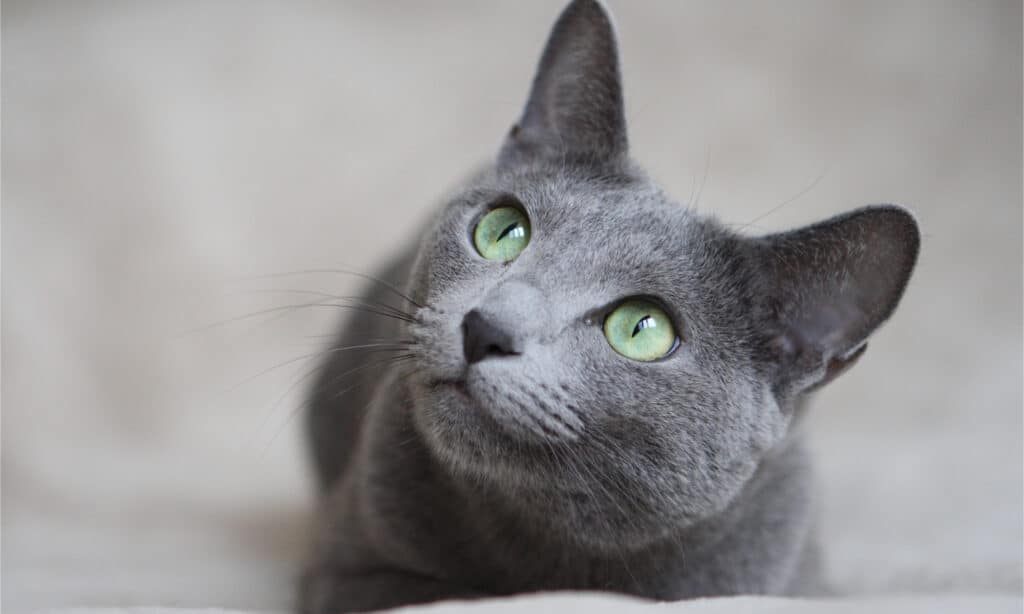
column 455, row 385
column 456, row 389
column 526, row 420
column 458, row 392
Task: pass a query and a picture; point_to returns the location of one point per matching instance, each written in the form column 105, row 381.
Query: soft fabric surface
column 612, row 604
column 157, row 154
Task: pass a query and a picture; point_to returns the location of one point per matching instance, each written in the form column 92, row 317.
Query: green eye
column 502, row 234
column 640, row 330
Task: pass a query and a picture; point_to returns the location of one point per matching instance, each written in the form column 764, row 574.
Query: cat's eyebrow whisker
column 821, row 175
column 695, row 198
column 693, row 192
column 381, row 282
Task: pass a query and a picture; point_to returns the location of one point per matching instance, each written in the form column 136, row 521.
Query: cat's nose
column 482, row 338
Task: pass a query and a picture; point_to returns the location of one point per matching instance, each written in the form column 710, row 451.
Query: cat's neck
column 475, row 532
column 766, row 525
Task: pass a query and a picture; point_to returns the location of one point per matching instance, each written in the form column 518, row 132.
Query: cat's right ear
column 830, row 285
column 575, row 107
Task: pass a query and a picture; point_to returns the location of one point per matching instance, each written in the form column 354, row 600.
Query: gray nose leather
column 505, row 319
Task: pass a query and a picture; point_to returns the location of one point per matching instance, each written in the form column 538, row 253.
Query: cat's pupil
column 513, row 230
column 645, row 322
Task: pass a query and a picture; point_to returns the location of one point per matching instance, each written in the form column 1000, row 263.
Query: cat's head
column 610, row 362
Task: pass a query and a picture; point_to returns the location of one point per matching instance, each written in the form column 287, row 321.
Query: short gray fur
column 567, row 465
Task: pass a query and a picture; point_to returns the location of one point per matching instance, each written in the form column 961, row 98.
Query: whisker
column 309, row 373
column 289, row 308
column 341, row 376
column 611, row 485
column 392, row 347
column 326, row 295
column 392, row 360
column 273, row 406
column 383, row 283
column 294, row 411
column 798, row 196
column 707, row 170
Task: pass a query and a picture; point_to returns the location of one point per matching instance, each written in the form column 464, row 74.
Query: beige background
column 158, row 154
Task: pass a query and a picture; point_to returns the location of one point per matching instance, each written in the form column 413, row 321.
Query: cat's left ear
column 575, row 107
column 830, row 285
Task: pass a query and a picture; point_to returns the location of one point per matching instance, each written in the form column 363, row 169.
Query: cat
column 590, row 386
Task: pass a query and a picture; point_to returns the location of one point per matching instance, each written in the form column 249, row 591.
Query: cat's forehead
column 608, row 217
column 610, row 236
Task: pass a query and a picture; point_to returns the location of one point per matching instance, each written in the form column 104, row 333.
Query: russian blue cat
column 593, row 387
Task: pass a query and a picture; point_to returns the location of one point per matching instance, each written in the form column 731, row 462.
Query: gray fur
column 567, row 465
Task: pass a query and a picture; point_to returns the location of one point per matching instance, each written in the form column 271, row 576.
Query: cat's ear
column 575, row 106
column 831, row 285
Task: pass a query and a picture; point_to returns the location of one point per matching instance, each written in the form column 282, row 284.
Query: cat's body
column 516, row 450
column 398, row 511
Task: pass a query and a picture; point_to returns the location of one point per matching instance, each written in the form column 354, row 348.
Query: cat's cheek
column 436, row 342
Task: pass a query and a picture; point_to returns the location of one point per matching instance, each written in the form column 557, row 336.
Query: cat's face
column 637, row 446
column 608, row 361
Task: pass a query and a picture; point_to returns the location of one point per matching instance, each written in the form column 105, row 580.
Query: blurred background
column 159, row 156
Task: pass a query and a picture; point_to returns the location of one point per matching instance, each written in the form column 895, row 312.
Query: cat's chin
column 471, row 444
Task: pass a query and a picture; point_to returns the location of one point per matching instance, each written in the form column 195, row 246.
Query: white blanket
column 595, row 603
column 155, row 153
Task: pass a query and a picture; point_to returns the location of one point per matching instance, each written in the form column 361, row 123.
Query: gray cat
column 598, row 389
